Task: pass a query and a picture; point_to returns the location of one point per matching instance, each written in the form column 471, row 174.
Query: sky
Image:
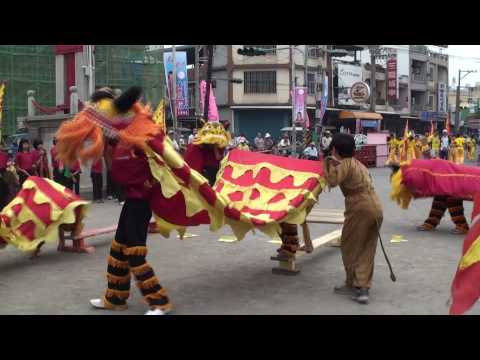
column 464, row 57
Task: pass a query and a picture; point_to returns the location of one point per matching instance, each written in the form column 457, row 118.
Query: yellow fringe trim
column 148, row 284
column 140, row 270
column 399, row 192
column 136, row 250
column 121, row 294
column 114, row 279
column 116, row 246
column 117, row 263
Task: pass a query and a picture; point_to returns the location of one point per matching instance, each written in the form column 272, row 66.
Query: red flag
column 405, row 132
column 466, row 284
column 447, row 125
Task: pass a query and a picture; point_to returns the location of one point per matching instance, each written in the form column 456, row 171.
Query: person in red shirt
column 25, row 161
column 3, row 160
column 41, row 159
column 96, row 173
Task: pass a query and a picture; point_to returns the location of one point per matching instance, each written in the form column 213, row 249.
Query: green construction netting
column 121, row 66
column 25, row 67
column 32, row 67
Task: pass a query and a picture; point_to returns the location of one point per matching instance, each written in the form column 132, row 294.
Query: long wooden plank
column 325, row 220
column 322, row 240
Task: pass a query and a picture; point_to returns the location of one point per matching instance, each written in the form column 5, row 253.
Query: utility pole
column 373, row 79
column 457, row 103
column 174, row 90
column 197, row 81
column 292, row 92
column 209, row 82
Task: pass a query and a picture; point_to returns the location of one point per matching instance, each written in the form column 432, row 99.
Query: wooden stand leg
column 307, row 239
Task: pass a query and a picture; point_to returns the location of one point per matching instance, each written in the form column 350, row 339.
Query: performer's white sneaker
column 157, row 311
column 100, row 304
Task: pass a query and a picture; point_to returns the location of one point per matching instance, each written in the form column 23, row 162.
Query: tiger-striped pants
column 455, row 208
column 127, row 255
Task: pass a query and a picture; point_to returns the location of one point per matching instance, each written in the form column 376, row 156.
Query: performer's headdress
column 213, row 132
column 115, row 117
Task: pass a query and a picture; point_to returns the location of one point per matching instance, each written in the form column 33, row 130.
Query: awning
column 360, row 115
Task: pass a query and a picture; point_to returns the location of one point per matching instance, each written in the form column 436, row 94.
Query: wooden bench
column 315, row 216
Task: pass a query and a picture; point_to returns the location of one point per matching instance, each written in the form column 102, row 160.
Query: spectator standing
column 284, row 145
column 259, row 142
column 41, row 159
column 268, row 143
column 192, row 136
column 444, row 145
column 57, row 177
column 25, row 161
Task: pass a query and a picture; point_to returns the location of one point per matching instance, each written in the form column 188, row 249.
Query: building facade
column 411, row 84
column 261, row 103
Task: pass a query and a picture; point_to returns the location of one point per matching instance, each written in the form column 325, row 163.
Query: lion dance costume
column 252, row 191
column 442, row 178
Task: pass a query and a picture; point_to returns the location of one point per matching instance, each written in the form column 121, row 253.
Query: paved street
column 205, row 276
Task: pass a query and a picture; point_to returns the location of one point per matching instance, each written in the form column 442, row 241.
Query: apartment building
column 262, row 101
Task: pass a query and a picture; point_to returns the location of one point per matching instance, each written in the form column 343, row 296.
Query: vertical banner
column 2, row 95
column 392, row 77
column 181, row 80
column 212, row 103
column 442, row 97
column 300, row 100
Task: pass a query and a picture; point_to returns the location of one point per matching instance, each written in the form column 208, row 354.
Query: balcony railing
column 418, row 107
column 418, row 77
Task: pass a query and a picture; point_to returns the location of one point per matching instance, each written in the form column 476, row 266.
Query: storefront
column 358, row 122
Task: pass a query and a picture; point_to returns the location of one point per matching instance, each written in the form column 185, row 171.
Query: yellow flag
column 2, row 92
column 159, row 115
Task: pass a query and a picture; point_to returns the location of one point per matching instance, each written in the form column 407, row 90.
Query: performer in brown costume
column 363, row 216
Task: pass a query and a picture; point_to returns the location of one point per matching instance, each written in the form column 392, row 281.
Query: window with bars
column 260, row 82
column 314, row 51
column 271, row 49
column 311, row 83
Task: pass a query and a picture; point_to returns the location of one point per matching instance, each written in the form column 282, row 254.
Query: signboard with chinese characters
column 392, row 77
column 347, row 76
column 442, row 97
column 360, row 92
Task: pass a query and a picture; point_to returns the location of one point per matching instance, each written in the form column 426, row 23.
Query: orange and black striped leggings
column 127, row 256
column 455, row 208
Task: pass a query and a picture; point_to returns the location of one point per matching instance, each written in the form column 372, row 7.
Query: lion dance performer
column 208, row 149
column 443, row 177
column 125, row 120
